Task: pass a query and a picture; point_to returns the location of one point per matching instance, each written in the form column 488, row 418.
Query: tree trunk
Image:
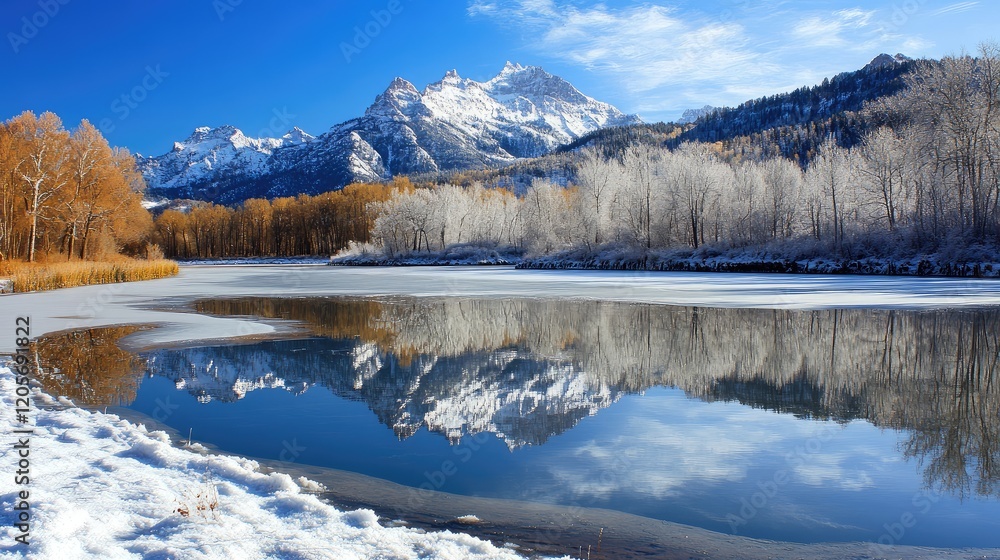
column 31, row 239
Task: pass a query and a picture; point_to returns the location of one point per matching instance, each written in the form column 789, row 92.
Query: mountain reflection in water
column 526, row 369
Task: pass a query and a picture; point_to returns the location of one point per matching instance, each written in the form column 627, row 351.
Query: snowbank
column 805, row 260
column 101, row 487
column 463, row 254
column 708, row 260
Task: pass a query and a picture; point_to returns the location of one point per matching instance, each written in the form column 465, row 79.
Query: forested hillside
column 794, row 124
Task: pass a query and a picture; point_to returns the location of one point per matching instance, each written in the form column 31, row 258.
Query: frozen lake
column 152, row 301
column 796, row 408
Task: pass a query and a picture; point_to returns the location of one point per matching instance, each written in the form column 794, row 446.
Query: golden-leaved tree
column 66, row 193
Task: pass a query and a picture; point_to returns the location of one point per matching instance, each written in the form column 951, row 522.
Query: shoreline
column 105, row 486
column 916, row 267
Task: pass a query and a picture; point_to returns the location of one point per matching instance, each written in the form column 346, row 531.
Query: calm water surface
column 806, row 426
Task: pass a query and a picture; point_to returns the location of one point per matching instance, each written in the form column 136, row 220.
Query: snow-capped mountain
column 455, row 123
column 691, row 115
column 214, row 152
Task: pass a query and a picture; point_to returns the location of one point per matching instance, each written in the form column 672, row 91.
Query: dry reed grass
column 33, row 277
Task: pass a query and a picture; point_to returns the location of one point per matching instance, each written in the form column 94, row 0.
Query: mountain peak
column 395, row 99
column 450, row 81
column 517, row 74
column 885, row 59
column 692, row 115
column 400, row 84
column 511, row 67
column 205, row 133
column 223, row 131
column 297, row 136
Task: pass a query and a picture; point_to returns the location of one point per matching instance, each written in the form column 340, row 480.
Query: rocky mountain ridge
column 455, row 123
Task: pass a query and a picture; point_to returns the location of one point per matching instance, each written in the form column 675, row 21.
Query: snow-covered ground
column 101, row 487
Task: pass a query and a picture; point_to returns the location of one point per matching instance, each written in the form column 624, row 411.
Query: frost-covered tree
column 641, row 193
column 884, row 174
column 692, row 178
column 782, row 192
column 544, row 214
column 954, row 109
column 600, row 180
column 745, row 205
column 829, row 181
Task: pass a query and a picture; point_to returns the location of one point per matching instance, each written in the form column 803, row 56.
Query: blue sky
column 152, row 71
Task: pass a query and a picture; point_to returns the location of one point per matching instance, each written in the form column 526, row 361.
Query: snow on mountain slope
column 212, row 152
column 691, row 115
column 458, row 122
column 455, row 123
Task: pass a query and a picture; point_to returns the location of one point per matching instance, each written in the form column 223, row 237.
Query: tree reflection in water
column 88, row 366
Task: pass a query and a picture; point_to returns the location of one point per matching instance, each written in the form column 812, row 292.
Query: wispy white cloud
column 836, row 30
column 916, row 45
column 663, row 58
column 644, row 47
column 482, row 8
column 956, row 8
column 659, row 460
